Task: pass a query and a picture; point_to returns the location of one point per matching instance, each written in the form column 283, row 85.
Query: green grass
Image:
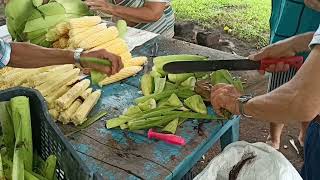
column 248, row 19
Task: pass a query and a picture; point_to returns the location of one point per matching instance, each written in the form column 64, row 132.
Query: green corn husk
column 50, row 167
column 124, row 126
column 96, row 77
column 94, row 60
column 18, row 156
column 122, row 28
column 147, row 84
column 174, row 101
column 170, row 86
column 7, row 129
column 2, row 175
column 159, row 84
column 159, row 96
column 21, row 118
column 178, row 78
column 190, row 82
column 132, row 110
column 115, row 122
column 148, row 105
column 171, row 127
column 150, row 122
column 196, row 104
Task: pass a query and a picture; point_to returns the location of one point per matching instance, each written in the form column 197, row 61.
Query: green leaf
column 93, row 119
column 159, row 84
column 74, row 7
column 37, row 3
column 190, row 82
column 37, row 33
column 122, row 28
column 148, row 105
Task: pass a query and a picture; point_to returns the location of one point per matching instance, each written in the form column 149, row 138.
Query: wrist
column 243, row 102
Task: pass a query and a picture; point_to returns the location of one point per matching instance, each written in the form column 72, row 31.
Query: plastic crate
column 48, row 139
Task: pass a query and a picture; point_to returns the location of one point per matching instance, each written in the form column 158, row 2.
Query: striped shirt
column 289, row 18
column 5, row 51
column 316, row 38
column 164, row 26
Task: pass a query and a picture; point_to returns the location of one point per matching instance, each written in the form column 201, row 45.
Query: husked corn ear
column 54, row 114
column 22, row 79
column 54, row 96
column 82, row 112
column 56, row 45
column 63, row 42
column 74, row 41
column 122, row 74
column 118, row 48
column 65, row 101
column 85, row 21
column 99, row 38
column 107, row 44
column 74, row 32
column 137, row 61
column 62, row 28
column 86, row 93
column 11, row 77
column 55, row 83
column 5, row 70
column 125, row 56
column 65, row 116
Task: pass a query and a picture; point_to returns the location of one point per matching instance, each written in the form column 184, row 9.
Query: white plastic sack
column 268, row 164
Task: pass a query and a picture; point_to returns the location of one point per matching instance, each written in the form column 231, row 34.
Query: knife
column 232, row 65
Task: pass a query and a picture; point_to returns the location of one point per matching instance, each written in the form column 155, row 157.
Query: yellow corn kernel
column 107, row 44
column 54, row 96
column 118, row 48
column 62, row 28
column 66, row 100
column 85, row 21
column 55, row 83
column 82, row 112
column 86, row 93
column 65, row 116
column 122, row 74
column 54, row 114
column 74, row 32
column 104, row 36
column 74, row 41
column 137, row 61
column 56, row 45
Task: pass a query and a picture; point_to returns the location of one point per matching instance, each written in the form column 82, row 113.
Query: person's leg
column 311, row 167
column 275, row 135
column 302, row 134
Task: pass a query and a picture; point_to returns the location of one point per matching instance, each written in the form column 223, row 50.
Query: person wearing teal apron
column 156, row 16
column 289, row 18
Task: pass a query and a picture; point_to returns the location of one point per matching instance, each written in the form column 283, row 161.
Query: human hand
column 313, row 4
column 280, row 49
column 225, row 96
column 100, row 5
column 102, row 54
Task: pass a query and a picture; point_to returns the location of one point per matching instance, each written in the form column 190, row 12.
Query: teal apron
column 289, row 18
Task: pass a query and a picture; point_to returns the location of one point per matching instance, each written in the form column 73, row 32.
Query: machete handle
column 168, row 138
column 293, row 61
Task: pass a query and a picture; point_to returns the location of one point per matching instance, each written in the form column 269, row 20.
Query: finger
column 115, row 64
column 218, row 86
column 286, row 67
column 86, row 71
column 216, row 106
column 271, row 68
column 279, row 67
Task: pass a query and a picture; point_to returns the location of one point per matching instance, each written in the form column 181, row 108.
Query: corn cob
column 86, row 93
column 54, row 114
column 62, row 28
column 85, row 21
column 23, row 79
column 81, row 114
column 125, row 56
column 55, row 84
column 118, row 48
column 56, row 45
column 107, row 44
column 11, row 77
column 63, row 42
column 66, row 100
column 66, row 115
column 5, row 70
column 137, row 61
column 52, row 97
column 122, row 74
column 97, row 39
column 74, row 41
column 74, row 32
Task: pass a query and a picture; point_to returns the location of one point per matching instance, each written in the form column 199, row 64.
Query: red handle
column 294, row 61
column 168, row 138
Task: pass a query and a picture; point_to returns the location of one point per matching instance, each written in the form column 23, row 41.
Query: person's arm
column 26, row 55
column 150, row 12
column 297, row 100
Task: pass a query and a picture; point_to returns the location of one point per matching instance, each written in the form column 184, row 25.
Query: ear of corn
column 62, row 28
column 63, row 42
column 81, row 114
column 84, row 22
column 74, row 32
column 126, row 56
column 118, row 48
column 122, row 74
column 54, row 114
column 66, row 115
column 52, row 97
column 76, row 39
column 66, row 100
column 86, row 93
column 108, row 44
column 99, row 38
column 137, row 61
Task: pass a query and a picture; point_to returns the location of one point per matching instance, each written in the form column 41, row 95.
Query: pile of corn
column 91, row 34
column 69, row 99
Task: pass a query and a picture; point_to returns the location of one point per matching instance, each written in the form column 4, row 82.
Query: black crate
column 48, row 139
